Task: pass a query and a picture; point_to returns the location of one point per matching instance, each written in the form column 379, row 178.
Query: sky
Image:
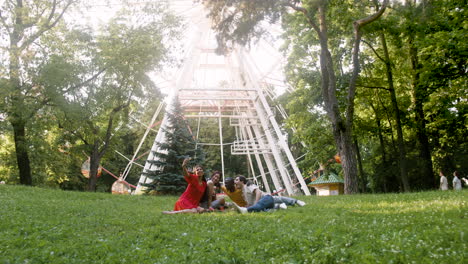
column 265, row 57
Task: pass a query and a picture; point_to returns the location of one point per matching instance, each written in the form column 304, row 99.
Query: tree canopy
column 383, row 86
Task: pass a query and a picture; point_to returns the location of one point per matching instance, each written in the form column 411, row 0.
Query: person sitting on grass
column 257, row 200
column 189, row 201
column 234, row 194
column 209, row 201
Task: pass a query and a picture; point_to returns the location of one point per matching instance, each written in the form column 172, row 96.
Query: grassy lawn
column 53, row 226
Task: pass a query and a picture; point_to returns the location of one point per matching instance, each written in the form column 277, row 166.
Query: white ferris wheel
column 234, row 86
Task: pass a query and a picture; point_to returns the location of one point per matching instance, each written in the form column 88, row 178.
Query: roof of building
column 327, row 178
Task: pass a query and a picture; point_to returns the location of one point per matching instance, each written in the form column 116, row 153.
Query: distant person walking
column 456, row 181
column 443, row 182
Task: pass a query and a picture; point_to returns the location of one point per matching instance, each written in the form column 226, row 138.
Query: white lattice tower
column 218, row 87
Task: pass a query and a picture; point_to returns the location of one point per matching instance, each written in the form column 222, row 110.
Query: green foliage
column 436, row 28
column 82, row 79
column 177, row 145
column 242, row 21
column 7, row 159
column 108, row 78
column 310, row 127
column 207, row 130
column 50, row 226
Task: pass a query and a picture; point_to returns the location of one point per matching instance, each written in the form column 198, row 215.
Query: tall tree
column 385, row 59
column 238, row 21
column 115, row 62
column 23, row 24
column 433, row 32
column 178, row 143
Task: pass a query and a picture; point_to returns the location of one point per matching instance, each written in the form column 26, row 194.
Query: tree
column 385, row 59
column 238, row 21
column 435, row 43
column 432, row 38
column 23, row 24
column 112, row 65
column 311, row 125
column 177, row 144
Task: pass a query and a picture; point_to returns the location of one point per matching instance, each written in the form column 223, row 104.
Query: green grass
column 52, row 226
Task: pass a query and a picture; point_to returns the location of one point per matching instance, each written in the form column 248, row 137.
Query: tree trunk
column 362, row 181
column 342, row 127
column 341, row 133
column 22, row 156
column 382, row 145
column 16, row 113
column 93, row 168
column 420, row 96
column 396, row 112
column 98, row 149
column 349, row 163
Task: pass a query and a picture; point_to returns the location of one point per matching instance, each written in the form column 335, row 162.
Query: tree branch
column 86, row 81
column 47, row 100
column 92, row 127
column 364, row 21
column 358, row 24
column 110, row 125
column 38, row 17
column 48, row 25
column 373, row 87
column 5, row 25
column 305, row 12
column 375, row 52
column 77, row 134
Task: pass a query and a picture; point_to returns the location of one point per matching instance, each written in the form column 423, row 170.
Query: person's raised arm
column 184, row 167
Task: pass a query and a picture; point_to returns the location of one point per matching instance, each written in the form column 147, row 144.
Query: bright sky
column 265, row 57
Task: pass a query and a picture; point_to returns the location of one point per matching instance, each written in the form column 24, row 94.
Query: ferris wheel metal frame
column 241, row 96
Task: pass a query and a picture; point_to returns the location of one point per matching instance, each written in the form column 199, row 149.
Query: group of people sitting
column 200, row 195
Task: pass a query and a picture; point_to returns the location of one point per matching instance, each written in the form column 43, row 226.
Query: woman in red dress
column 190, row 199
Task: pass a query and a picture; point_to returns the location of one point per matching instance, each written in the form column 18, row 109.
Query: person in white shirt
column 456, row 181
column 443, row 182
column 257, row 200
column 465, row 180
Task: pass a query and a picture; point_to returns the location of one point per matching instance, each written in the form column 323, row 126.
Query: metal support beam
column 233, row 90
column 257, row 158
column 281, row 139
column 221, row 142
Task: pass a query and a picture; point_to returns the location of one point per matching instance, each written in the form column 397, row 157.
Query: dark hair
column 220, row 175
column 205, row 195
column 216, row 172
column 242, row 179
column 456, row 173
column 193, row 172
column 229, row 183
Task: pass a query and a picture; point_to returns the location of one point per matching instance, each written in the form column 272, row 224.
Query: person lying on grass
column 236, row 195
column 190, row 199
column 257, row 200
